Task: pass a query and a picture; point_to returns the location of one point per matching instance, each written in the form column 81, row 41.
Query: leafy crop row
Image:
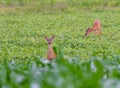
column 60, row 73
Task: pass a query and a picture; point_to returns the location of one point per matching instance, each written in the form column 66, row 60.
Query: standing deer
column 96, row 28
column 50, row 54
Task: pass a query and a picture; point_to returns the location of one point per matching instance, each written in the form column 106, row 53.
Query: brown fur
column 50, row 54
column 96, row 28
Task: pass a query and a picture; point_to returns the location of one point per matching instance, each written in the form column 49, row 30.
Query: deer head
column 88, row 31
column 49, row 40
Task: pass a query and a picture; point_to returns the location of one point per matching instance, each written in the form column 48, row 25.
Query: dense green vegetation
column 60, row 73
column 82, row 62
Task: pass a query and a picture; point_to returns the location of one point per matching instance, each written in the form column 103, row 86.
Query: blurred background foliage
column 50, row 6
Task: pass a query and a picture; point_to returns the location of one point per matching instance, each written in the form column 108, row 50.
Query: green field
column 82, row 62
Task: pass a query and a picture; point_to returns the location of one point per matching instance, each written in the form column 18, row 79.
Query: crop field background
column 82, row 62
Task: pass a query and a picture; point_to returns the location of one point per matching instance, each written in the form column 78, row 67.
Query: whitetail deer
column 96, row 28
column 50, row 54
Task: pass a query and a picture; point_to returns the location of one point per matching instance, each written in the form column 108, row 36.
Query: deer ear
column 53, row 37
column 88, row 28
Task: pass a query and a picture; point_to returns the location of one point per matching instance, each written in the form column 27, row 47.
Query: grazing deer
column 50, row 54
column 96, row 28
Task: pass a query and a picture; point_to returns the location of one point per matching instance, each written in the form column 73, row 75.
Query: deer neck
column 50, row 46
column 50, row 54
column 91, row 29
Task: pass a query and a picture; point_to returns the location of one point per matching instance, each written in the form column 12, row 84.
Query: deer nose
column 49, row 42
